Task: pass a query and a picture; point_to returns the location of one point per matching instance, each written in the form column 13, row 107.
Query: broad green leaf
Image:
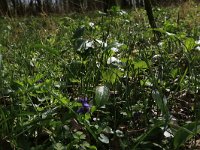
column 58, row 146
column 189, row 44
column 111, row 75
column 174, row 72
column 79, row 135
column 93, row 109
column 87, row 116
column 64, row 100
column 140, row 65
column 38, row 77
column 153, row 132
column 185, row 133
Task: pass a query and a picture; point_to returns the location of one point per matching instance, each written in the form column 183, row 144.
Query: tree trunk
column 20, row 8
column 108, row 4
column 4, row 9
column 48, row 5
column 65, row 6
column 14, row 7
column 39, row 6
column 148, row 8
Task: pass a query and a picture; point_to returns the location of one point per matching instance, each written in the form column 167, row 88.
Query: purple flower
column 85, row 106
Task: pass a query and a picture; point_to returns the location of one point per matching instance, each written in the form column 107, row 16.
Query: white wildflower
column 198, row 43
column 114, row 49
column 103, row 44
column 170, row 34
column 98, row 64
column 160, row 44
column 168, row 133
column 91, row 24
column 122, row 12
column 113, row 60
column 117, row 44
column 101, row 95
column 89, row 44
column 156, row 58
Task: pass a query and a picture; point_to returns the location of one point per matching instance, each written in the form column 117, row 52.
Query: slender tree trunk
column 148, row 8
column 108, row 4
column 48, row 6
column 20, row 8
column 14, row 7
column 4, row 9
column 65, row 6
column 39, row 6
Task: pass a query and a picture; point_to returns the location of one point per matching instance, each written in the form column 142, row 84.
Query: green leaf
column 87, row 116
column 160, row 101
column 16, row 85
column 140, row 65
column 174, row 72
column 111, row 75
column 79, row 135
column 93, row 109
column 92, row 147
column 108, row 76
column 154, row 132
column 64, row 100
column 183, row 77
column 190, row 44
column 185, row 133
column 58, row 146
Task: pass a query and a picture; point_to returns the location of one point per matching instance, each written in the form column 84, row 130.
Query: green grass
column 147, row 98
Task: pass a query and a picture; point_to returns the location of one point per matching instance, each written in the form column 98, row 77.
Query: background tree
column 4, row 9
column 35, row 7
column 148, row 8
column 39, row 6
column 65, row 7
column 108, row 4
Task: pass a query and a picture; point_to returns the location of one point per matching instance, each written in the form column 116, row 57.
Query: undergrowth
column 100, row 82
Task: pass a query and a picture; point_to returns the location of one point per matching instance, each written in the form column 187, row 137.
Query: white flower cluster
column 198, row 43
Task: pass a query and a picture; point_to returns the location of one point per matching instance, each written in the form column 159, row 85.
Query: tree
column 39, row 6
column 4, row 9
column 65, row 5
column 108, row 4
column 148, row 8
